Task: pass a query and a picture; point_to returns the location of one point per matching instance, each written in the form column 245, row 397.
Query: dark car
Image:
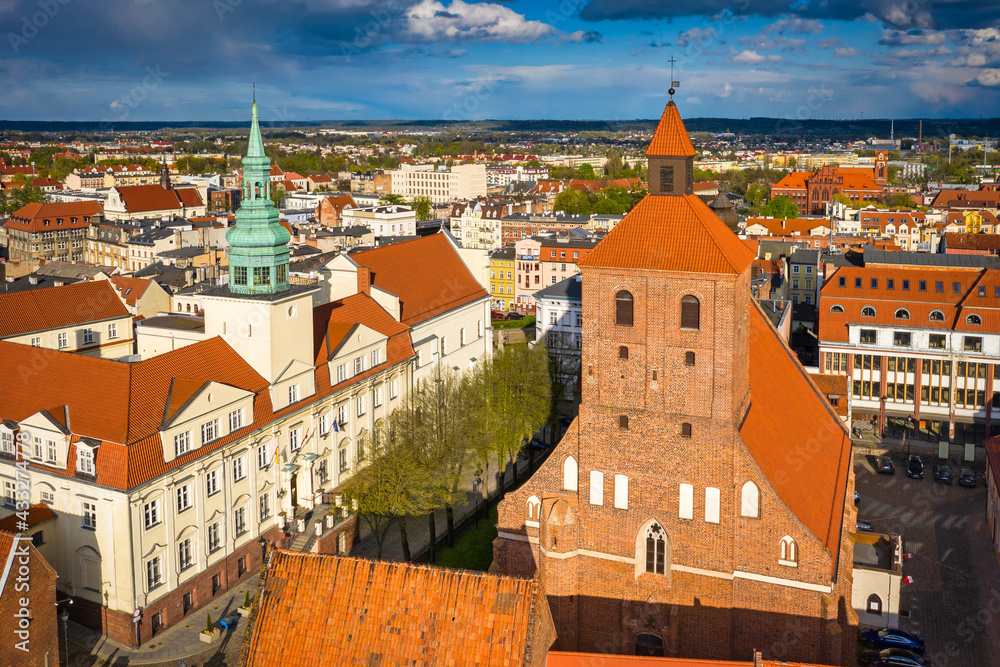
column 514, row 316
column 857, row 497
column 533, row 444
column 915, row 467
column 942, row 473
column 884, row 638
column 884, row 465
column 892, row 656
column 864, row 527
column 967, row 479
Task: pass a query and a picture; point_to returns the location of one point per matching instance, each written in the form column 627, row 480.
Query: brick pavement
column 954, row 601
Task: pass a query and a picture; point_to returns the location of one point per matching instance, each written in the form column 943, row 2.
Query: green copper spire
column 258, row 243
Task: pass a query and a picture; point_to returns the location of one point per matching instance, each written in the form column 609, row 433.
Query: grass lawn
column 515, row 324
column 473, row 547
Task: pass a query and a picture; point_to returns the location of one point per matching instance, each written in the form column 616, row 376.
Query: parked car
column 535, row 444
column 514, row 316
column 864, row 527
column 496, row 315
column 915, row 467
column 857, row 498
column 884, row 465
column 967, row 478
column 942, row 473
column 892, row 656
column 884, row 638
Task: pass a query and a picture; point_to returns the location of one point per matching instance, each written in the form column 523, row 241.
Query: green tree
column 277, row 196
column 22, row 196
column 780, row 207
column 393, row 484
column 841, row 198
column 422, row 206
column 518, row 394
column 572, row 202
column 390, row 199
column 613, row 166
column 586, row 172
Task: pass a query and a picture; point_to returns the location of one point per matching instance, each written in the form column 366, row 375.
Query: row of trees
column 609, row 201
column 421, row 205
column 447, row 429
column 13, row 199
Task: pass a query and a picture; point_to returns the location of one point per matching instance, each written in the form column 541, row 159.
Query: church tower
column 267, row 320
column 258, row 244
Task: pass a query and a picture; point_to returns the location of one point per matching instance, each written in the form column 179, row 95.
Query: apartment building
column 441, row 185
column 479, row 225
column 804, row 278
column 523, row 225
column 541, row 261
column 502, row 175
column 502, row 279
column 50, row 231
column 389, row 220
column 921, row 345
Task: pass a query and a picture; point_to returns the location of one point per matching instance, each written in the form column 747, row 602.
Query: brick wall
column 33, row 581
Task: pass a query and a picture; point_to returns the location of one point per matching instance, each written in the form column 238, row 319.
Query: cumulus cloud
column 989, row 77
column 776, row 43
column 726, row 91
column 845, row 52
column 431, row 21
column 971, row 60
column 795, row 25
column 912, row 38
column 751, row 57
column 695, row 35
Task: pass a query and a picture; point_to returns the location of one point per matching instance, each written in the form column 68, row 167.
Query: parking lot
column 954, row 600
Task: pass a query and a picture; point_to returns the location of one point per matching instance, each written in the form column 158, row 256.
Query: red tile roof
column 317, row 609
column 671, row 138
column 397, row 269
column 807, row 459
column 966, row 199
column 672, row 233
column 32, row 217
column 333, row 321
column 131, row 289
column 833, row 385
column 962, row 241
column 144, row 198
column 55, row 307
column 789, row 226
column 37, row 514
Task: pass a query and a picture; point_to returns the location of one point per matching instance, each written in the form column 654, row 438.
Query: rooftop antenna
column 254, row 84
column 673, row 84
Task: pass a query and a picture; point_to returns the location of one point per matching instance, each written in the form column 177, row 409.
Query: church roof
column 58, row 307
column 670, row 137
column 792, row 432
column 671, row 234
column 322, row 609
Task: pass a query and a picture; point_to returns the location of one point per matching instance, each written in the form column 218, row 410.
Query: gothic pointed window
column 690, row 313
column 623, row 308
column 656, row 549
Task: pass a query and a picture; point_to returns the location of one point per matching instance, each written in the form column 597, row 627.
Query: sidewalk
column 896, row 448
column 418, row 528
column 88, row 648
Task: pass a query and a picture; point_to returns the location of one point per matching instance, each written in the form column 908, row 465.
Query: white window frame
column 324, row 423
column 113, row 330
column 212, row 482
column 239, row 468
column 359, row 365
column 264, row 455
column 341, row 373
column 152, row 516
column 293, row 393
column 51, row 451
column 182, row 443
column 295, row 439
column 154, row 572
column 88, row 336
column 62, row 340
column 362, row 405
column 377, row 396
column 264, row 506
column 209, row 431
column 185, row 557
column 240, row 524
column 88, row 512
column 85, row 460
column 183, row 494
column 214, row 537
column 236, row 420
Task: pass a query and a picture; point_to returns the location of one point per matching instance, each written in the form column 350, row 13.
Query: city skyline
column 136, row 60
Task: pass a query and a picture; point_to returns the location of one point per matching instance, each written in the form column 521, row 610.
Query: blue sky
column 130, row 60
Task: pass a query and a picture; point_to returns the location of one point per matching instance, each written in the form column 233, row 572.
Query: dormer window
column 85, row 460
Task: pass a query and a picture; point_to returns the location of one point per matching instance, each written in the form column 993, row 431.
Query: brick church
column 698, row 506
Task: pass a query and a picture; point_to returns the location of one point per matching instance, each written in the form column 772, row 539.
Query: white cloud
column 796, row 25
column 726, row 91
column 845, row 52
column 912, row 38
column 696, row 35
column 971, row 60
column 751, row 57
column 431, row 21
column 989, row 77
column 693, row 100
column 117, row 104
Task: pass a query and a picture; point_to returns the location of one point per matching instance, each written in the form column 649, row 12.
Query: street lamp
column 64, row 617
column 475, row 490
column 910, row 423
column 263, row 549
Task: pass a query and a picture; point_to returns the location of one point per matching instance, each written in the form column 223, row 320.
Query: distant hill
column 839, row 129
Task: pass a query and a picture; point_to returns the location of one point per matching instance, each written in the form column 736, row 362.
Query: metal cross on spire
column 254, row 84
column 673, row 84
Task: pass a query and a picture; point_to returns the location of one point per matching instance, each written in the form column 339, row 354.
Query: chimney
column 33, row 279
column 364, row 280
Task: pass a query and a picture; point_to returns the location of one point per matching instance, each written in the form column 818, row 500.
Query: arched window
column 533, row 508
column 789, row 552
column 656, row 549
column 623, row 351
column 874, row 605
column 836, row 309
column 936, row 316
column 685, row 430
column 623, row 308
column 689, row 358
column 690, row 313
column 750, row 500
column 902, row 314
column 647, row 644
column 974, row 320
column 570, row 474
column 623, row 421
column 867, row 311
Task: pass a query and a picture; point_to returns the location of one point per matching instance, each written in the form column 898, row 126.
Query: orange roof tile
column 779, row 227
column 788, row 451
column 142, row 198
column 395, row 269
column 56, row 307
column 672, row 233
column 37, row 514
column 331, row 610
column 671, row 138
column 32, row 217
column 571, row 659
column 131, row 289
column 333, row 321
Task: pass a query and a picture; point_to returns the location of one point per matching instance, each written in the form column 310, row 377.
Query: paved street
column 954, row 601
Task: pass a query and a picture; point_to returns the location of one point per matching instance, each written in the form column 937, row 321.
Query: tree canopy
column 780, row 207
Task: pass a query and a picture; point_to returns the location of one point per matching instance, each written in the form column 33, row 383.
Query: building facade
column 502, row 280
column 666, row 521
column 51, row 231
column 441, row 186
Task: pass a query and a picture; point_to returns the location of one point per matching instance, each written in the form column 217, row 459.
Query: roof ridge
column 708, row 228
